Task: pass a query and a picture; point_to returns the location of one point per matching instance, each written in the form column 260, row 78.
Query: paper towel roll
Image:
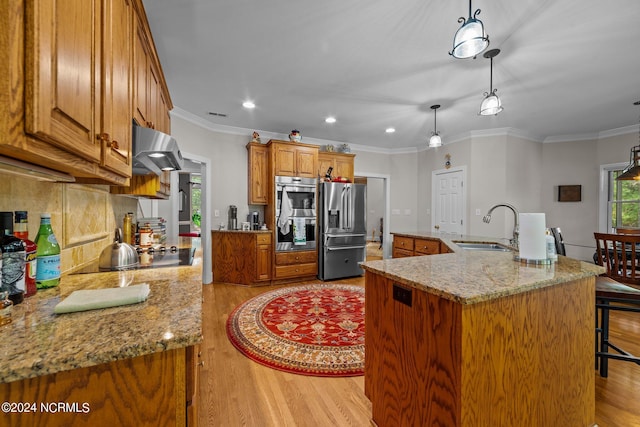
column 532, row 237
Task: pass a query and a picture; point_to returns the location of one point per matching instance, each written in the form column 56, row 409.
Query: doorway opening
column 378, row 212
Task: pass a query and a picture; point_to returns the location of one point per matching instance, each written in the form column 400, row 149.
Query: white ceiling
column 567, row 68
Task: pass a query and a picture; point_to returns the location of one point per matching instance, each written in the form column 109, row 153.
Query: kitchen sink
column 483, row 247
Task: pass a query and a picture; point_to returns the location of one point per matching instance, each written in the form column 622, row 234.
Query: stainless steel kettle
column 118, row 255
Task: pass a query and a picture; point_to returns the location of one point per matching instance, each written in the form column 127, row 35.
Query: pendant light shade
column 491, row 104
column 470, row 39
column 632, row 171
column 435, row 140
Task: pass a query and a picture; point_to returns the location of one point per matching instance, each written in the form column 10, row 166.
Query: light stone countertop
column 38, row 342
column 473, row 276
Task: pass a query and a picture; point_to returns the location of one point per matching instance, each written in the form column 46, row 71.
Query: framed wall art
column 569, row 193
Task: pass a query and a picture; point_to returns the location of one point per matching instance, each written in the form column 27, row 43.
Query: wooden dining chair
column 620, row 254
column 615, row 290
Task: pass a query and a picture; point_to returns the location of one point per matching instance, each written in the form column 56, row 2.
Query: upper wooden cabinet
column 151, row 104
column 342, row 164
column 116, row 88
column 65, row 86
column 150, row 98
column 294, row 159
column 258, row 170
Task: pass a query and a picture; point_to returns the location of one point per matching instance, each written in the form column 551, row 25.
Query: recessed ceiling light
column 390, row 130
column 330, row 119
column 248, row 104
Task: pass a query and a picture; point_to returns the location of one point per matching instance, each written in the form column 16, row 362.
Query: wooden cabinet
column 342, row 164
column 194, row 362
column 151, row 105
column 150, row 98
column 293, row 265
column 404, row 246
column 242, row 257
column 258, row 179
column 150, row 186
column 263, row 256
column 65, row 85
column 116, row 88
column 146, row 390
column 294, row 159
column 426, row 246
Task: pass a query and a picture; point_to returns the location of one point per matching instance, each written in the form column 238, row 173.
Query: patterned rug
column 313, row 330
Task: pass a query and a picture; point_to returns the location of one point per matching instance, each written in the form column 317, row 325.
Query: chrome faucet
column 516, row 226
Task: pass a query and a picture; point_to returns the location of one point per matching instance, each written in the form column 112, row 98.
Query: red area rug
column 310, row 330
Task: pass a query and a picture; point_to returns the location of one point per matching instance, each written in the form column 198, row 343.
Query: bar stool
column 618, row 254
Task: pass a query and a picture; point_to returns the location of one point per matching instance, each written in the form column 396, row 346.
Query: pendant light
column 491, row 104
column 435, row 140
column 632, row 171
column 470, row 38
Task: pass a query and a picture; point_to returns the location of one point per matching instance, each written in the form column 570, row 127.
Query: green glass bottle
column 47, row 255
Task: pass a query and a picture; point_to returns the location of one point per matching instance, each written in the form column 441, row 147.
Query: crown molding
column 518, row 133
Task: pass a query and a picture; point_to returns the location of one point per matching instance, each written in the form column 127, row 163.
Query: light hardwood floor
column 234, row 391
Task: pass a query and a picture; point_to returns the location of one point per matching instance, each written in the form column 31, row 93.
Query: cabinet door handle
column 106, row 138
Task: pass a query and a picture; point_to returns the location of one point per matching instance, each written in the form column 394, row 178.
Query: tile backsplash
column 83, row 216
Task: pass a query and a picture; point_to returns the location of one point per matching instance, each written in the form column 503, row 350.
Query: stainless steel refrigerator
column 342, row 225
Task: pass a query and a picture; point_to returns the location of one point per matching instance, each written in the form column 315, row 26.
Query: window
column 623, row 207
column 196, row 199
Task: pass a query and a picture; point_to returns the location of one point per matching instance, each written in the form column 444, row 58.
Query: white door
column 448, row 201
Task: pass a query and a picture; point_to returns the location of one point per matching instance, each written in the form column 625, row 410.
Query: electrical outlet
column 216, row 213
column 402, row 294
column 407, row 211
column 395, row 211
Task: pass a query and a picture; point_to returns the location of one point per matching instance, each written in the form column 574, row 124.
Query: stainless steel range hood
column 154, row 152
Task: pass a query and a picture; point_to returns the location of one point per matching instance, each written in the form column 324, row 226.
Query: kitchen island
column 128, row 365
column 474, row 338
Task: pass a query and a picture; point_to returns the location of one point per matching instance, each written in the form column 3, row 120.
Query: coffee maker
column 233, row 217
column 255, row 220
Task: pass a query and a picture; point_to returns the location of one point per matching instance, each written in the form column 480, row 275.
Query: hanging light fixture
column 491, row 104
column 435, row 140
column 470, row 38
column 632, row 171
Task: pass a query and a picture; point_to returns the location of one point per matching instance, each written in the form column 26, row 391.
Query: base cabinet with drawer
column 404, row 246
column 242, row 257
column 294, row 265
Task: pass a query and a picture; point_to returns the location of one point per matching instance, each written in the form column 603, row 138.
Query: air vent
column 213, row 113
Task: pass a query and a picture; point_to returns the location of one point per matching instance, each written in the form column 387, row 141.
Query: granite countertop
column 38, row 342
column 470, row 277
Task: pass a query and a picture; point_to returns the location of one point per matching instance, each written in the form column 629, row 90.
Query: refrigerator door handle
column 344, row 235
column 342, row 248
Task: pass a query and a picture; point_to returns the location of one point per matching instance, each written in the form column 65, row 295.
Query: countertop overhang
column 470, row 277
column 38, row 342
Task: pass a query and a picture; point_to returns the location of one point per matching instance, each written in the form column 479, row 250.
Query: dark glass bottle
column 21, row 231
column 13, row 260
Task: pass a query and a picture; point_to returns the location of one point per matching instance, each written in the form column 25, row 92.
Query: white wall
column 501, row 168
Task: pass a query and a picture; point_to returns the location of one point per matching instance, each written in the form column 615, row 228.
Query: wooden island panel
column 525, row 359
column 143, row 391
